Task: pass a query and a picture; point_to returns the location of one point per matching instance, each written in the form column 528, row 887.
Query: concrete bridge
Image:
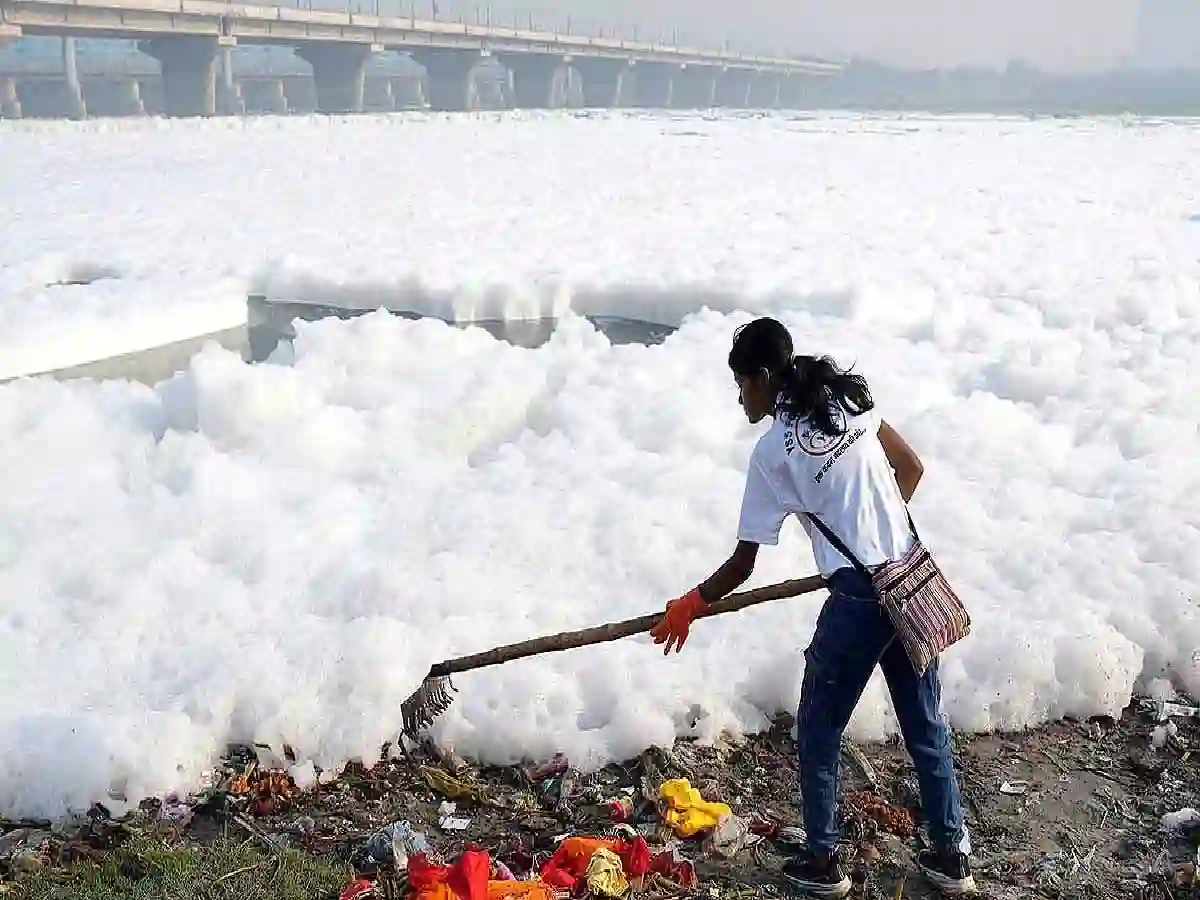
column 193, row 42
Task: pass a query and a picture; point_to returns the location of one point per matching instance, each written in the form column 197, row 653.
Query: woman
column 829, row 455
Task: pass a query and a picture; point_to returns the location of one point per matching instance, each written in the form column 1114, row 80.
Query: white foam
column 278, row 553
column 507, row 215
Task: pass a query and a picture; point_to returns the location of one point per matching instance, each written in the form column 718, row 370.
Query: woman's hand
column 676, row 622
column 673, row 629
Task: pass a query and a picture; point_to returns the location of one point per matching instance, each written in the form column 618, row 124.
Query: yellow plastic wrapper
column 606, row 875
column 454, row 788
column 687, row 812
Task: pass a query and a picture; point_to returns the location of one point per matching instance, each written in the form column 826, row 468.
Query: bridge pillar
column 72, row 99
column 112, row 96
column 264, row 95
column 189, row 73
column 50, row 98
column 150, row 89
column 450, row 77
column 301, row 94
column 654, row 85
column 733, row 89
column 603, row 81
column 537, row 80
column 338, row 74
column 229, row 93
column 10, row 104
column 764, row 92
column 796, row 92
column 696, row 88
column 407, row 93
column 377, row 94
column 493, row 90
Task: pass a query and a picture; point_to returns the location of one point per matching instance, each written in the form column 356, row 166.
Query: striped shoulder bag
column 925, row 610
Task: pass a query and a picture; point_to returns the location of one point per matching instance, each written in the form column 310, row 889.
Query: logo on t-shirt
column 811, row 440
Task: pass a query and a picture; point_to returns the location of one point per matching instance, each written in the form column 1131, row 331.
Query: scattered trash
column 731, row 836
column 174, row 810
column 793, row 835
column 621, row 808
column 667, row 821
column 448, row 821
column 1162, row 734
column 22, row 839
column 687, row 812
column 570, row 861
column 451, row 760
column 28, row 861
column 1164, row 710
column 454, row 788
column 1185, row 819
column 357, row 889
column 270, row 783
column 606, row 874
column 502, row 872
column 556, row 766
column 304, row 826
column 567, row 783
column 895, row 819
column 864, row 765
column 467, row 879
column 389, row 847
column 671, row 865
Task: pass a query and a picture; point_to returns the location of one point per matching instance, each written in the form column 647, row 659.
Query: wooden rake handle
column 615, row 631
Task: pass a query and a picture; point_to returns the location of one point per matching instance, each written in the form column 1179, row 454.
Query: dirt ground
column 1070, row 810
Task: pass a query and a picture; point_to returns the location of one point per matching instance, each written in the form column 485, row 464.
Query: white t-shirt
column 845, row 480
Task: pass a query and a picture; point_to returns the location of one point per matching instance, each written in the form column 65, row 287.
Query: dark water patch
column 270, row 323
column 85, row 274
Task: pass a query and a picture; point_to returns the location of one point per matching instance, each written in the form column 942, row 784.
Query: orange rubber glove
column 673, row 629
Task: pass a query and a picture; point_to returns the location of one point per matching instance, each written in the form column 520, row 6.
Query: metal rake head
column 429, row 701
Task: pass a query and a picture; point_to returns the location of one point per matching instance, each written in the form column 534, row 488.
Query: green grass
column 145, row 868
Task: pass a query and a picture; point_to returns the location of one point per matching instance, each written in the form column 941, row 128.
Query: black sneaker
column 949, row 871
column 817, row 876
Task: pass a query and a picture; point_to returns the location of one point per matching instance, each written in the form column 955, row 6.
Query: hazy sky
column 1053, row 34
column 1059, row 34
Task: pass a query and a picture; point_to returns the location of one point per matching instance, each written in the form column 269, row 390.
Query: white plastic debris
column 731, row 836
column 1014, row 788
column 304, row 774
column 1162, row 733
column 174, row 810
column 1164, row 711
column 1178, row 821
column 448, row 821
column 1161, row 690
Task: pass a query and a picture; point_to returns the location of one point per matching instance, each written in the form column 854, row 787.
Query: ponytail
column 814, row 388
column 811, row 387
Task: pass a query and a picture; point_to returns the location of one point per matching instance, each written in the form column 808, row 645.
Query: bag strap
column 843, row 549
column 837, row 543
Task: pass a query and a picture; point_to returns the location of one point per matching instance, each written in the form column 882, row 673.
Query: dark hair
column 812, row 387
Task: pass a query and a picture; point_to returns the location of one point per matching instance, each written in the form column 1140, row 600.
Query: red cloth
column 569, row 863
column 359, row 887
column 467, row 879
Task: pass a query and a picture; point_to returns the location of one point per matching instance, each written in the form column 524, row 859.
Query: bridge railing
column 482, row 27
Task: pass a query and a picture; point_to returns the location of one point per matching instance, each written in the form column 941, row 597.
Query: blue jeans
column 853, row 635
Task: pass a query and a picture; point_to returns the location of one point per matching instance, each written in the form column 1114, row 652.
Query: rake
column 435, row 695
